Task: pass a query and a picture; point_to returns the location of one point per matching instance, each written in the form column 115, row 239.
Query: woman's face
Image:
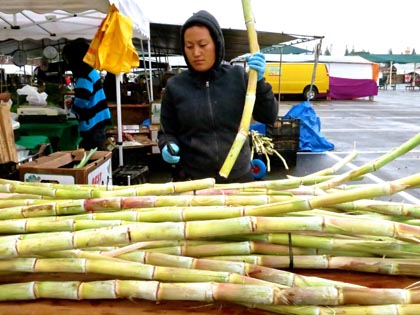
column 199, row 48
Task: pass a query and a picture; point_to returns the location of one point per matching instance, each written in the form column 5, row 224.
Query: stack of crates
column 285, row 135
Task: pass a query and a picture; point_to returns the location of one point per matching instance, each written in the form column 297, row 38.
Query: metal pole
column 145, row 68
column 150, row 72
column 280, row 63
column 317, row 53
column 390, row 73
column 119, row 120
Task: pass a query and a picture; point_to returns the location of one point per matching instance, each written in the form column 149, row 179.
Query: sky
column 375, row 26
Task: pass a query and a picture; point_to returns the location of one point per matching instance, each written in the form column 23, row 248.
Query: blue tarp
column 311, row 138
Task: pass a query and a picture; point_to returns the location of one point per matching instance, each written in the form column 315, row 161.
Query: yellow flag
column 112, row 47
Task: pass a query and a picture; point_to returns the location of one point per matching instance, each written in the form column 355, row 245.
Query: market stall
column 77, row 249
column 25, row 22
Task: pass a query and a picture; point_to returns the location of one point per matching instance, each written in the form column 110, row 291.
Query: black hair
column 73, row 54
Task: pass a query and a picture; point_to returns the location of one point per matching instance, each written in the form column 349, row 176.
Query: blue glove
column 257, row 62
column 169, row 155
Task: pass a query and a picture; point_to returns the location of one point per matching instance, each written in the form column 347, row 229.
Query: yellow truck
column 295, row 79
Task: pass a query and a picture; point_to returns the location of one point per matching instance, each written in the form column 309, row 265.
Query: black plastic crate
column 289, row 156
column 285, row 135
column 9, row 170
column 130, row 175
column 284, row 129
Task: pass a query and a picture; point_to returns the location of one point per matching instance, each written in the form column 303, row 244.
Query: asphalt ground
column 369, row 127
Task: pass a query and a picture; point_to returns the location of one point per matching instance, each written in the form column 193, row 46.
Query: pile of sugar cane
column 202, row 241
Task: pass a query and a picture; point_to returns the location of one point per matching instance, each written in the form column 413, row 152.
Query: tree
column 327, row 52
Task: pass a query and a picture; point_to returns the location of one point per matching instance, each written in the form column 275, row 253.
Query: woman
column 201, row 108
column 90, row 105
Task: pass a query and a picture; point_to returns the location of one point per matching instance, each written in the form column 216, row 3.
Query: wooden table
column 142, row 307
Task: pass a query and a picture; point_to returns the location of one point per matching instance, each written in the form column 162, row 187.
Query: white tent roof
column 403, row 68
column 44, row 6
column 311, row 58
column 41, row 19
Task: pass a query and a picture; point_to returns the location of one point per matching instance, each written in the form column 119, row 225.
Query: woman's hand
column 257, row 63
column 169, row 153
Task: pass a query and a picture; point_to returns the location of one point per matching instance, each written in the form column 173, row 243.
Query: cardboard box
column 154, row 129
column 59, row 168
column 155, row 150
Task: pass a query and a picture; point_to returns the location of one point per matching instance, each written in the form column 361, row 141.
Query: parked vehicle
column 295, row 79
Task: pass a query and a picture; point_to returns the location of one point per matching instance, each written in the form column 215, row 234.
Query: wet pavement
column 370, row 127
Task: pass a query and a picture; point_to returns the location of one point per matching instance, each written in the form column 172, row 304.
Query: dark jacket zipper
column 216, row 148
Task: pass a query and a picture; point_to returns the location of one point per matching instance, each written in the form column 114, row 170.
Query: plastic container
column 285, row 135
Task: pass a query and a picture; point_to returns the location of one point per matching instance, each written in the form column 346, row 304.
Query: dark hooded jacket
column 201, row 111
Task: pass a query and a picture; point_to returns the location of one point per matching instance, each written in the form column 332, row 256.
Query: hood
column 205, row 18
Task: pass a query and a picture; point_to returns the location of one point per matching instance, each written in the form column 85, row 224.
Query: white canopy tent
column 28, row 20
column 23, row 19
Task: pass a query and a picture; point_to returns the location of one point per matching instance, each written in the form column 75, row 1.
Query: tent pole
column 390, row 73
column 119, row 120
column 316, row 59
column 2, row 75
column 280, row 65
column 145, row 68
column 150, row 72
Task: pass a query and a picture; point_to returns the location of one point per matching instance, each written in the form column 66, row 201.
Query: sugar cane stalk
column 18, row 245
column 206, row 291
column 374, row 165
column 389, row 309
column 336, row 245
column 60, row 192
column 376, row 265
column 384, row 207
column 86, row 158
column 243, row 131
column 337, row 197
column 123, row 268
column 165, row 203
